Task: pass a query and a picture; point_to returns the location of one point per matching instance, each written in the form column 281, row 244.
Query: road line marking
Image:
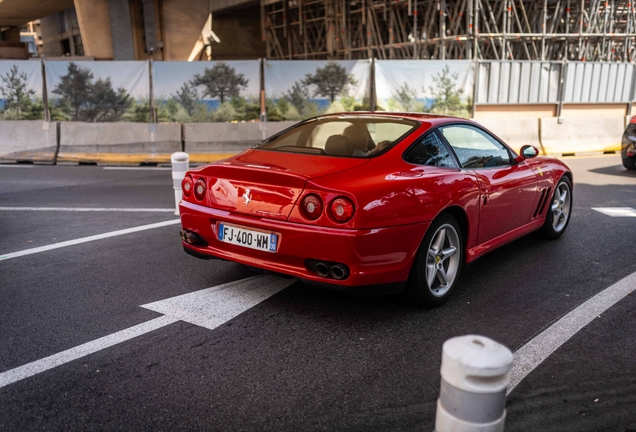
column 533, row 353
column 214, row 306
column 616, row 211
column 79, row 209
column 38, row 366
column 16, row 166
column 218, row 305
column 87, row 239
column 139, row 168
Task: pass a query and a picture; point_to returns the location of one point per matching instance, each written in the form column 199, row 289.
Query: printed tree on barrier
column 446, row 97
column 85, row 100
column 330, row 80
column 187, row 97
column 298, row 96
column 17, row 96
column 221, row 81
column 406, row 96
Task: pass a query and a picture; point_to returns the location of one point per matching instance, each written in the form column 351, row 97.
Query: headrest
column 338, row 145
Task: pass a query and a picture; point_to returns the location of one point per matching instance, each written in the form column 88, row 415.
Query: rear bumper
column 380, row 258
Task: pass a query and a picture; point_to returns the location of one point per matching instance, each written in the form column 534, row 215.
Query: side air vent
column 545, row 195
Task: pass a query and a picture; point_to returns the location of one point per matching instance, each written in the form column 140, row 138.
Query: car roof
column 434, row 119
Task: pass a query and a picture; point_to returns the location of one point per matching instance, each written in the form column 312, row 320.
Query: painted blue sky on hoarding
column 169, row 77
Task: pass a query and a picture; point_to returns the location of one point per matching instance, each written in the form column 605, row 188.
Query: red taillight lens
column 199, row 189
column 311, row 207
column 342, row 209
column 633, row 120
column 187, row 185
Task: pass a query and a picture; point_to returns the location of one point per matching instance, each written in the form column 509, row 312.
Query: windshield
column 341, row 136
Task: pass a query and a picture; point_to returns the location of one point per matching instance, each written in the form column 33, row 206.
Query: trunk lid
column 267, row 183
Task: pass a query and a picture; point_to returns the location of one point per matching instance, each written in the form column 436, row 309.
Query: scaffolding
column 596, row 30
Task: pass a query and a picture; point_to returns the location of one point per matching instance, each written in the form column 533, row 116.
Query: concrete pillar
column 94, row 22
column 121, row 30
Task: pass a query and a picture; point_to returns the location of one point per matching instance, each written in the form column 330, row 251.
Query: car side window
column 475, row 148
column 431, row 151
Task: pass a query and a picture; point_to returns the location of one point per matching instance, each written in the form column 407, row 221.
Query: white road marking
column 86, row 209
column 616, row 211
column 212, row 307
column 16, row 166
column 533, row 353
column 218, row 305
column 139, row 168
column 38, row 366
column 87, row 239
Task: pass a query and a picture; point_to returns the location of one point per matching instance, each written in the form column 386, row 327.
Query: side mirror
column 527, row 152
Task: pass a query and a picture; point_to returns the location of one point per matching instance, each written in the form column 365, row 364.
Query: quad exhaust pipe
column 331, row 270
column 322, row 269
column 339, row 271
column 192, row 238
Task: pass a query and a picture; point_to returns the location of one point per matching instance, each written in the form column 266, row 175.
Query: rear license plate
column 259, row 240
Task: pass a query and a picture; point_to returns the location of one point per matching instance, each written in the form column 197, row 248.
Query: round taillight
column 342, row 209
column 199, row 189
column 311, row 207
column 186, row 186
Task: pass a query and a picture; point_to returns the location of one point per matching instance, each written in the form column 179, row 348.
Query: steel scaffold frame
column 586, row 30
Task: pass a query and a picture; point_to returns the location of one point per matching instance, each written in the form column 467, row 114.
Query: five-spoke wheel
column 437, row 265
column 558, row 217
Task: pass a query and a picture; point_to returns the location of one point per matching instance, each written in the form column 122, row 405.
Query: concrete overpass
column 137, row 29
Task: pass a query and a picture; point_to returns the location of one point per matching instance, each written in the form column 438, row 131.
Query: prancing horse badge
column 247, row 197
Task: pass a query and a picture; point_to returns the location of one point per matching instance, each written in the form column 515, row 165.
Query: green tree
column 220, row 81
column 446, row 96
column 17, row 97
column 406, row 96
column 298, row 96
column 106, row 104
column 85, row 100
column 187, row 97
column 329, row 80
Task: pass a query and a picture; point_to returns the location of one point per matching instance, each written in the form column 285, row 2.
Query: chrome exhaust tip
column 192, row 238
column 321, row 269
column 339, row 271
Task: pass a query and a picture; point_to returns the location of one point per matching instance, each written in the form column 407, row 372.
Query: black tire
column 418, row 290
column 629, row 164
column 552, row 229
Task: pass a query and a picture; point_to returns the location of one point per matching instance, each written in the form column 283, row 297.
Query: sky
column 33, row 70
column 168, row 77
column 390, row 75
column 280, row 75
column 133, row 76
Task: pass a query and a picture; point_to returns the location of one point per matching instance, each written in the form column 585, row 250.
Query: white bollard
column 475, row 374
column 180, row 164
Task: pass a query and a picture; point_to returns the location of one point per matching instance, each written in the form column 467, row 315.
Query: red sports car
column 373, row 202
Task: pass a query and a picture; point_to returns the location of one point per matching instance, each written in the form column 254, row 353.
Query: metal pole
column 632, row 92
column 561, row 91
column 153, row 116
column 545, row 19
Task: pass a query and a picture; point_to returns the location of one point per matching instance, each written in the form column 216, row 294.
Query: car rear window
column 346, row 136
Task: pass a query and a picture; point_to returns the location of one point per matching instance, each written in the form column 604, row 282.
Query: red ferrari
column 375, row 202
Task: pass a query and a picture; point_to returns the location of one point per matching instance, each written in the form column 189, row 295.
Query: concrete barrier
column 207, row 142
column 515, row 132
column 581, row 135
column 28, row 141
column 118, row 143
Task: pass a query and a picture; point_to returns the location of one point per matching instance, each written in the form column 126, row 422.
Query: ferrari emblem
column 247, row 197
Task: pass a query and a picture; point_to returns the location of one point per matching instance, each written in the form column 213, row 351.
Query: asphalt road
column 304, row 358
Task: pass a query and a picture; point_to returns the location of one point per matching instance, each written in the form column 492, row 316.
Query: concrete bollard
column 475, row 374
column 180, row 164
